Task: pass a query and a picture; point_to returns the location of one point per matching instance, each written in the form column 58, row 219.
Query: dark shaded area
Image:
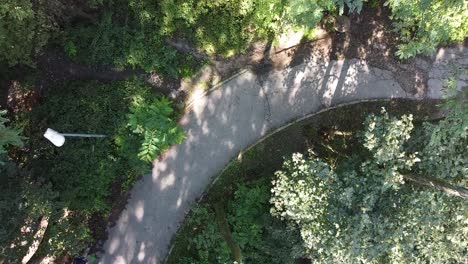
column 55, row 67
column 4, row 87
column 65, row 12
column 21, row 86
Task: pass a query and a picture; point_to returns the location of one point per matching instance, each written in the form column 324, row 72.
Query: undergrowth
column 70, row 184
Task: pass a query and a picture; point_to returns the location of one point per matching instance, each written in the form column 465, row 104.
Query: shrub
column 425, row 24
column 151, row 120
column 206, row 240
column 8, row 137
column 133, row 33
column 262, row 238
column 135, row 42
column 24, row 30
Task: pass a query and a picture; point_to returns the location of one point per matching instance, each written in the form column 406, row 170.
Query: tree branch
column 440, row 185
column 226, row 233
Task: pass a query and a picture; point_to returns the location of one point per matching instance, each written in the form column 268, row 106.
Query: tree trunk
column 440, row 185
column 226, row 233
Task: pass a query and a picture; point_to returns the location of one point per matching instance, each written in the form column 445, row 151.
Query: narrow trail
column 238, row 113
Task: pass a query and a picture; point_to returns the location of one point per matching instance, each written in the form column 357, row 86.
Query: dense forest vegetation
column 75, row 189
column 133, row 33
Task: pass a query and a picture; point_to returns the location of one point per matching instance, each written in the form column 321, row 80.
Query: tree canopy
column 366, row 210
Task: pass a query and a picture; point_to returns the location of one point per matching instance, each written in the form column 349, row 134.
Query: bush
column 124, row 38
column 226, row 27
column 261, row 238
column 425, row 24
column 24, row 30
column 8, row 137
column 151, row 120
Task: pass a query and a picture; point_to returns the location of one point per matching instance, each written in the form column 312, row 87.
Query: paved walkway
column 231, row 118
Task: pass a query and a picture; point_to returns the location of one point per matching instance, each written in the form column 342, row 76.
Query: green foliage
column 262, row 238
column 68, row 233
column 385, row 138
column 353, row 5
column 81, row 108
column 206, row 240
column 248, row 206
column 118, row 110
column 216, row 26
column 225, row 27
column 291, row 196
column 73, row 182
column 151, row 120
column 424, row 24
column 125, row 37
column 70, row 49
column 24, row 31
column 8, row 137
column 300, row 194
column 361, row 211
column 133, row 33
column 304, row 13
column 444, row 153
column 22, row 204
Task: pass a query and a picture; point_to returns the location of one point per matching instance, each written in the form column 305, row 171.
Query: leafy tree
column 24, row 31
column 424, row 24
column 366, row 209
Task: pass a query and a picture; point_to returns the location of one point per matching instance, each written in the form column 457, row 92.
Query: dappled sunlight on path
column 227, row 120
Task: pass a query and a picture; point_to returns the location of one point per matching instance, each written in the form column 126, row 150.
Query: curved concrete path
column 234, row 116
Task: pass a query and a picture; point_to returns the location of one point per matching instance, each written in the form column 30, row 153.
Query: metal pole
column 83, row 135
